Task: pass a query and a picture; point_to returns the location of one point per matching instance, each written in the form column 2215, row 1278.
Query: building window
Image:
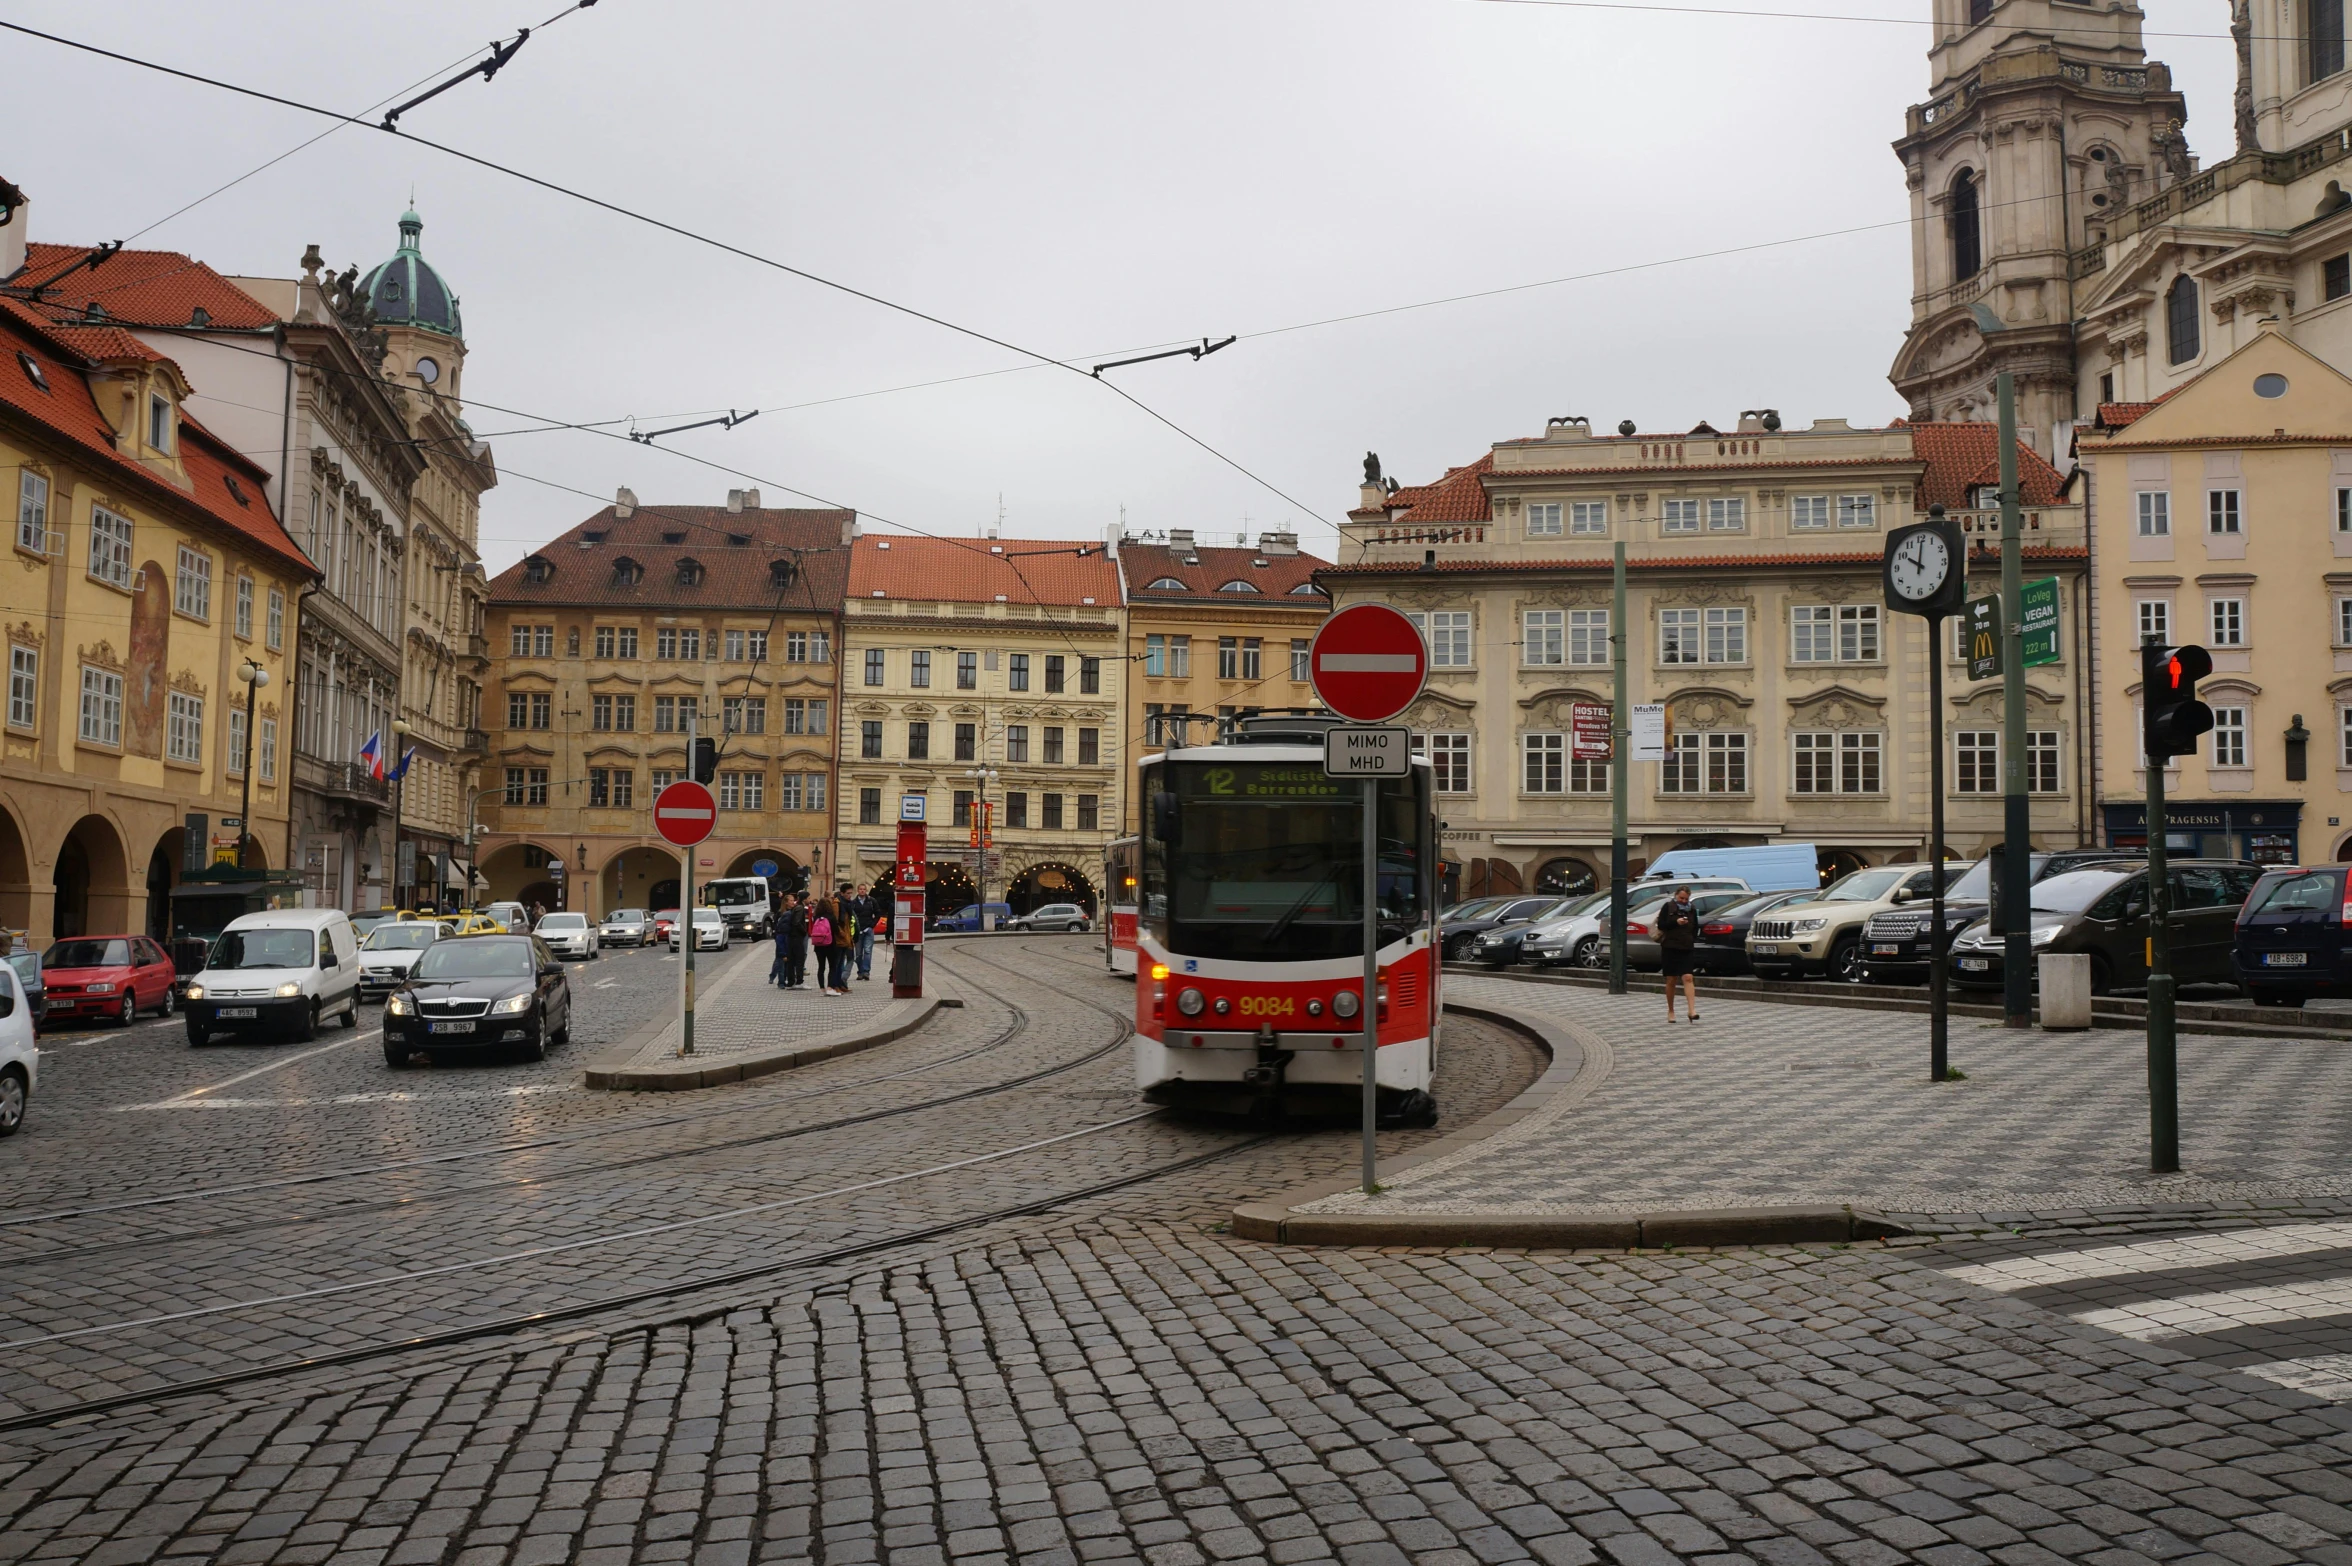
column 1228, row 658
column 1055, row 665
column 1253, row 664
column 1588, row 518
column 110, row 547
column 24, row 683
column 2344, row 729
column 2335, row 273
column 530, row 709
column 606, row 641
column 1543, row 519
column 612, row 714
column 1546, row 763
column 666, row 718
column 1017, row 672
column 599, row 788
column 1090, row 676
column 2041, row 761
column 870, row 739
column 2156, row 620
column 243, row 622
column 967, row 671
column 1050, row 812
column 1155, row 656
column 2181, row 342
column 1449, row 760
column 1857, row 633
column 1016, row 809
column 2155, row 513
column 2344, row 622
column 1858, row 763
column 743, row 790
column 1017, row 742
column 1447, row 631
column 1857, row 511
column 967, row 741
column 919, row 740
column 2221, row 511
column 749, row 715
column 660, row 778
column 963, row 808
column 102, row 701
column 1960, row 214
column 269, row 750
column 1679, row 635
column 1153, row 728
column 1811, row 638
column 2229, row 736
column 1089, row 747
column 616, row 641
column 1848, row 763
column 1301, row 671
column 32, row 511
column 1544, row 637
column 1053, row 745
column 2229, row 622
column 1727, row 515
column 184, row 729
column 1976, row 761
column 1815, row 757
column 876, row 665
column 737, row 647
column 1808, row 511
column 277, row 620
column 159, row 423
column 1702, row 636
column 789, row 792
column 1089, row 813
column 2327, row 38
column 869, row 807
column 1681, row 516
column 526, row 785
column 1705, row 764
column 919, row 668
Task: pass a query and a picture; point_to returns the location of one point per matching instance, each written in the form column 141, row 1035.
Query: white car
column 567, row 934
column 1066, row 917
column 710, row 931
column 626, row 927
column 20, row 1056
column 281, row 971
column 1575, row 941
column 390, row 951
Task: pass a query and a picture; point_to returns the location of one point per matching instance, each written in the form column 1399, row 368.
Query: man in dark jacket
column 792, row 938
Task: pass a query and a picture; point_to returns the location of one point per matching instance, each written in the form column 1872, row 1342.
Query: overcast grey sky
column 1074, row 178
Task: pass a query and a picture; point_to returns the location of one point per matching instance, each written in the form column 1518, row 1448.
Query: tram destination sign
column 1368, row 752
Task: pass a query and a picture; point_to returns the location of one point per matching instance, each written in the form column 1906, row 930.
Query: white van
column 280, row 972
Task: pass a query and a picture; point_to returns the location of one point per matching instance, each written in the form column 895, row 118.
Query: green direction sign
column 1981, row 624
column 2038, row 615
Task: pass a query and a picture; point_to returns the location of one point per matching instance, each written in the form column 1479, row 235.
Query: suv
column 1824, row 936
column 1066, row 917
column 2103, row 911
column 1895, row 944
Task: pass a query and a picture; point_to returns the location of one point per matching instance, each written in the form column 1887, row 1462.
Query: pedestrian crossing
column 2274, row 1303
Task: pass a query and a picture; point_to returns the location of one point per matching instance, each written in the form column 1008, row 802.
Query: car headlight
column 398, row 1006
column 288, row 990
column 1190, row 1002
column 514, row 1003
column 195, row 992
column 1346, row 1003
column 2044, row 934
column 98, row 989
column 1808, row 926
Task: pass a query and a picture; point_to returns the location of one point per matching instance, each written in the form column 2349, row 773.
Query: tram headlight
column 1314, row 1008
column 1191, row 1002
column 1346, row 1003
column 1223, row 1006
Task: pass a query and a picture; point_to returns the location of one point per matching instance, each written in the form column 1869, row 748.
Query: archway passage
column 16, row 881
column 662, row 896
column 163, row 873
column 784, row 877
column 641, row 877
column 1566, row 877
column 949, row 890
column 517, row 868
column 93, row 881
column 1492, row 878
column 1050, row 882
column 541, row 897
column 1836, row 862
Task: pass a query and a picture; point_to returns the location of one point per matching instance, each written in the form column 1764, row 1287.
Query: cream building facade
column 2225, row 519
column 985, row 672
column 1799, row 707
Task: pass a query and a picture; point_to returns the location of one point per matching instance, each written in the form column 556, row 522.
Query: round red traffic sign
column 684, row 813
column 1368, row 663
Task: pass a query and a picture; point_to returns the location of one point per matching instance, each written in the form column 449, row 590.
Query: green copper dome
column 406, row 291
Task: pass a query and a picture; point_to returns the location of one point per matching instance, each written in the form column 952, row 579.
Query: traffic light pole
column 2163, row 1057
column 2016, row 821
column 1620, row 735
column 1939, row 1008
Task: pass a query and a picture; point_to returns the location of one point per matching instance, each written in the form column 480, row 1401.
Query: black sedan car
column 487, row 993
column 1462, row 925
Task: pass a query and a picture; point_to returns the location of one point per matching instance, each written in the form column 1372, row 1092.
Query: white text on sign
column 1368, row 753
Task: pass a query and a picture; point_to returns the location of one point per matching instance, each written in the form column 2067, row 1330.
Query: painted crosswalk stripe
column 2167, row 1255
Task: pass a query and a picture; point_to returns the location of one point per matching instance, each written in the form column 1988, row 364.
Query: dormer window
column 33, row 371
column 236, row 490
column 593, row 536
column 689, row 573
column 627, row 572
column 1306, row 587
column 1168, row 584
column 678, row 537
column 782, row 573
column 538, row 569
column 1238, row 586
column 159, row 422
column 738, row 540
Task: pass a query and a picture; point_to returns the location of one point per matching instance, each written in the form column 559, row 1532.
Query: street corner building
column 988, row 677
column 608, row 644
column 150, row 581
column 1797, row 708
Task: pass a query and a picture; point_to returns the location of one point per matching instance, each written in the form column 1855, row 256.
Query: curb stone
column 676, row 1076
column 1580, row 1064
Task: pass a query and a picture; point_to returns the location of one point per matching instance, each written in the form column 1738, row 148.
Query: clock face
column 1919, row 568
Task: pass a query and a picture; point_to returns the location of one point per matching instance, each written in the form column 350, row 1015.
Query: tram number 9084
column 1268, row 1006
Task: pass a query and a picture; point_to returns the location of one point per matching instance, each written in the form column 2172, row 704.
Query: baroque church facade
column 2062, row 230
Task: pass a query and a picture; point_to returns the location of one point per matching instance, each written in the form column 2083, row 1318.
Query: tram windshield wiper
column 1274, row 931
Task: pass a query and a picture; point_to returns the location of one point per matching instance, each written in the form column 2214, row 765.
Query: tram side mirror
column 1167, row 826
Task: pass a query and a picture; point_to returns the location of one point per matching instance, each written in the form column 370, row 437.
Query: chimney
column 1180, row 540
column 1277, row 543
column 849, row 527
column 624, row 503
column 15, row 220
column 751, row 500
column 1113, row 537
column 734, row 500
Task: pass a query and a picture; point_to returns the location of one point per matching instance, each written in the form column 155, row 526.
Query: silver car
column 390, row 951
column 626, row 927
column 568, row 934
column 1066, row 917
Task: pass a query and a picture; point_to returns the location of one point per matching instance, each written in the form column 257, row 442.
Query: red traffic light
column 2187, row 666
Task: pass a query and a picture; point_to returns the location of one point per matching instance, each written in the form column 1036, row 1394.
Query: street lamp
column 406, row 880
column 984, row 776
column 255, row 677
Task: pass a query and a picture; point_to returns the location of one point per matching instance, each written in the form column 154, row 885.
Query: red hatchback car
column 107, row 976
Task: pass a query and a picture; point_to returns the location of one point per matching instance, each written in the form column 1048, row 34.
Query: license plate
column 1976, row 964
column 1768, row 948
column 1886, row 949
column 453, row 1027
column 233, row 1012
column 2285, row 959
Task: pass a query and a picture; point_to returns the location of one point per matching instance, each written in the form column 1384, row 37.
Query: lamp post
column 404, row 879
column 255, row 677
column 986, row 835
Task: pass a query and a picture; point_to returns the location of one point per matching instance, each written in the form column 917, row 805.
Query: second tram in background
column 1120, row 883
column 1250, row 927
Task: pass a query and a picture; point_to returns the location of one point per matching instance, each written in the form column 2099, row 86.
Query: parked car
column 390, row 951
column 1465, row 924
column 1572, row 937
column 27, row 966
column 1641, row 929
column 967, row 918
column 20, row 1056
column 663, row 924
column 513, row 918
column 1895, row 944
column 568, row 934
column 625, row 927
column 1723, row 934
column 1502, row 945
column 710, row 931
column 283, row 971
column 2103, row 911
column 1065, row 917
column 2294, row 936
column 1823, row 937
column 497, row 992
column 107, row 977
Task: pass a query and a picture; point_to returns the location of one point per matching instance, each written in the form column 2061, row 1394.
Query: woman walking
column 1678, row 940
column 844, row 941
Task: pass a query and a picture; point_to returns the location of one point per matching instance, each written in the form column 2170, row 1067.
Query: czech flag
column 371, row 756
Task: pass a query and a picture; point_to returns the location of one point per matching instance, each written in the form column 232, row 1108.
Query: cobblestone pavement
column 737, row 1011
column 1117, row 1380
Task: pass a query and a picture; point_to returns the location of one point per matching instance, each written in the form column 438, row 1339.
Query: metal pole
column 1371, row 975
column 399, row 799
column 1620, row 731
column 2016, row 823
column 252, row 749
column 1939, row 1015
column 686, row 906
column 2163, row 1063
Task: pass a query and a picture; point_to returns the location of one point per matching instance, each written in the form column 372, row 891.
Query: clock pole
column 1932, row 582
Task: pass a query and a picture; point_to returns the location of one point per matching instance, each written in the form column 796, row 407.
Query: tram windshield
column 1265, row 859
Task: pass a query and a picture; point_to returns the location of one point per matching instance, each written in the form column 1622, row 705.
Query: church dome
column 406, row 291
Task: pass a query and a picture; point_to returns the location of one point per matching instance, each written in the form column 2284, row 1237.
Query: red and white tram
column 1120, row 882
column 1250, row 930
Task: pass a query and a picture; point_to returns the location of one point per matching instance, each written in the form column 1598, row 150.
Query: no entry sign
column 1368, row 663
column 684, row 813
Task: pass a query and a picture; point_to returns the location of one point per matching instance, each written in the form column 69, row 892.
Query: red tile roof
column 734, row 576
column 102, row 343
column 2115, row 415
column 1458, row 497
column 982, row 570
column 1274, row 576
column 140, row 288
column 68, row 409
column 1963, row 457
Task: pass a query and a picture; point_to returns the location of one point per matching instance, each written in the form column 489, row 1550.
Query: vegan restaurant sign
column 2038, row 613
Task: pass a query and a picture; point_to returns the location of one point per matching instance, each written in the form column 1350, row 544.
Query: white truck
column 743, row 902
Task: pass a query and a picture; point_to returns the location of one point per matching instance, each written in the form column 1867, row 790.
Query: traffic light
column 706, row 758
column 2171, row 715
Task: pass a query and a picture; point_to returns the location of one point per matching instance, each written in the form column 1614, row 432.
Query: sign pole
column 2016, row 821
column 1619, row 770
column 686, row 909
column 1371, row 977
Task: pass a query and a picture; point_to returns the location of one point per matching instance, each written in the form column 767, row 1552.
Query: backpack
column 821, row 933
